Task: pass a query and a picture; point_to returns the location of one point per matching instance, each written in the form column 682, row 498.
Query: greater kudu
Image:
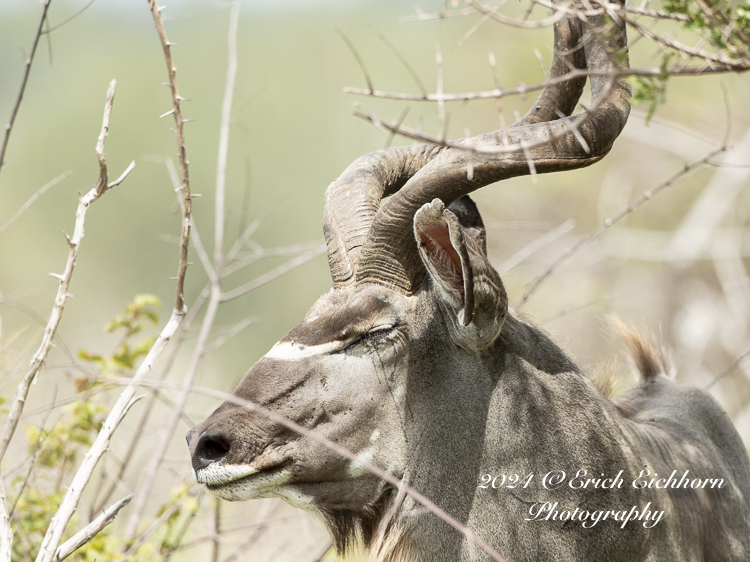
column 414, row 362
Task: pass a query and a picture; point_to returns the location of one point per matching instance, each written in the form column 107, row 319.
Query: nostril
column 211, row 447
column 214, row 449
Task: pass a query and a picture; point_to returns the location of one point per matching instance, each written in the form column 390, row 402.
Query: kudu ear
column 471, row 289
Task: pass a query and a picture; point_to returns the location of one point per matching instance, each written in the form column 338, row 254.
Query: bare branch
column 360, row 62
column 421, row 16
column 68, row 19
column 273, row 274
column 728, row 370
column 33, row 198
column 226, row 118
column 404, row 63
column 233, row 331
column 182, row 154
column 24, row 80
column 215, row 283
column 536, row 245
column 74, row 242
column 439, row 90
column 526, row 88
column 6, row 532
column 91, row 530
column 612, row 220
column 122, row 177
column 562, row 11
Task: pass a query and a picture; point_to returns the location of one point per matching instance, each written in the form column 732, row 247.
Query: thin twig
column 560, row 13
column 226, row 122
column 216, row 530
column 404, row 63
column 525, row 89
column 273, row 274
column 149, row 531
column 32, row 460
column 728, row 370
column 421, row 16
column 24, row 80
column 90, row 531
column 33, row 198
column 614, row 219
column 360, row 62
column 233, row 331
column 537, row 244
column 69, row 19
column 576, row 308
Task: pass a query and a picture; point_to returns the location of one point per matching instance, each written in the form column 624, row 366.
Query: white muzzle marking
column 218, row 474
column 291, row 351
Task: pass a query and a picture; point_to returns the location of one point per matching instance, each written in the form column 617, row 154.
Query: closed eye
column 376, row 333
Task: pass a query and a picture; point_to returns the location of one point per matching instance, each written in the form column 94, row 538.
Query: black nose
column 189, row 437
column 211, row 447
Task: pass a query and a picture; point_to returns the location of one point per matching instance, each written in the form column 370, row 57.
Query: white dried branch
column 6, row 532
column 91, row 530
column 74, row 243
column 125, row 401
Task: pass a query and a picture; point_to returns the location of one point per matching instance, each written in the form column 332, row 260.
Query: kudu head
column 415, row 310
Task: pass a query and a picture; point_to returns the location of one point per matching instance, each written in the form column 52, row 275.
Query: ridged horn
column 368, row 243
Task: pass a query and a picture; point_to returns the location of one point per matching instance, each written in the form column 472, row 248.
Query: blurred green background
column 293, row 132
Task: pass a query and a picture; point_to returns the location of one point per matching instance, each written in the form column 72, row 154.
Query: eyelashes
column 377, row 333
column 374, row 335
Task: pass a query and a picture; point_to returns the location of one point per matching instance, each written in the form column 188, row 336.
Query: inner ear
column 443, row 249
column 435, row 241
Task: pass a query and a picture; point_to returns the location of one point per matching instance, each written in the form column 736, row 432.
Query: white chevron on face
column 290, row 351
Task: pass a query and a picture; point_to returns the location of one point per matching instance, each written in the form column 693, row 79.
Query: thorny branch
column 215, row 280
column 64, row 279
column 54, row 533
column 181, row 152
